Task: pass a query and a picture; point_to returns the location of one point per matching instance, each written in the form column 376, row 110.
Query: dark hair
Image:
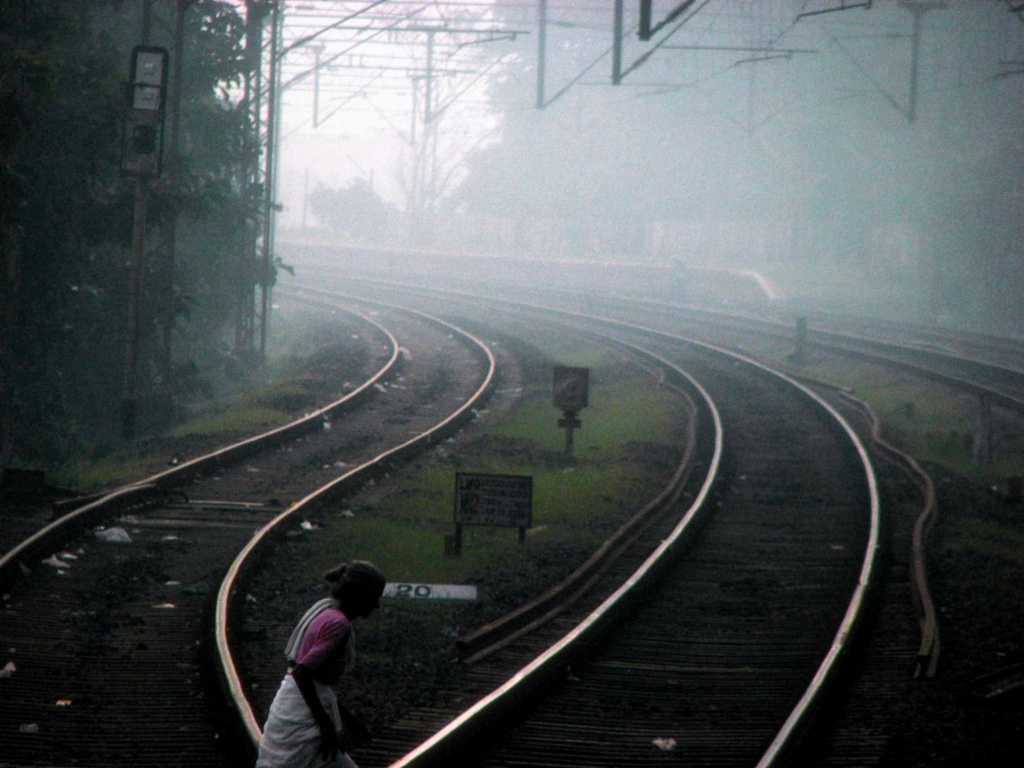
column 357, row 576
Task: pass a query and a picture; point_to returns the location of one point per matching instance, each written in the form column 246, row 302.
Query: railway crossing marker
column 570, row 388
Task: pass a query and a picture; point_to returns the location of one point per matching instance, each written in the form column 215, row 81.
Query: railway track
column 906, row 647
column 730, row 577
column 221, row 511
column 864, row 731
column 998, row 351
column 108, row 635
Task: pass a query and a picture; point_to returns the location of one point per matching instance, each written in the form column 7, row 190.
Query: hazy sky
column 738, row 66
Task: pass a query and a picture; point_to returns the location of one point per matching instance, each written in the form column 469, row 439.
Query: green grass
column 577, row 501
column 625, row 412
column 231, row 420
column 256, row 410
column 931, row 422
column 116, row 470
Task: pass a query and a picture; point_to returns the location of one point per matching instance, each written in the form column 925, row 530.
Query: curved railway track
column 990, row 373
column 998, row 351
column 864, row 731
column 109, row 640
column 993, row 367
column 712, row 591
column 141, row 620
column 864, row 740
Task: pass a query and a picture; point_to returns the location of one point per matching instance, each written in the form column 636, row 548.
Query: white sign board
column 431, row 591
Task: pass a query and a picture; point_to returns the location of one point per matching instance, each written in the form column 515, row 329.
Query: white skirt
column 291, row 737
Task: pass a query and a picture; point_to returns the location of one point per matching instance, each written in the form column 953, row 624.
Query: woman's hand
column 329, row 744
column 328, row 736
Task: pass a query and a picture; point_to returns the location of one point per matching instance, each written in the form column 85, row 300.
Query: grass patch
column 102, row 472
column 992, row 540
column 620, row 410
column 631, row 442
column 230, row 420
column 257, row 410
column 931, row 422
column 268, row 399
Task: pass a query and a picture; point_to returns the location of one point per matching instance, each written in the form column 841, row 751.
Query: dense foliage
column 66, row 218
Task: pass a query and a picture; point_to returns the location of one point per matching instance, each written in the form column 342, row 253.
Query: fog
column 864, row 159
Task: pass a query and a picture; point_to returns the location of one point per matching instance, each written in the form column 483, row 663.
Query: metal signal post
column 571, row 391
column 141, row 155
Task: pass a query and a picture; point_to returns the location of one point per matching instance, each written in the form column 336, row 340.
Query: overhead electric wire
column 654, row 48
column 310, row 38
column 350, row 48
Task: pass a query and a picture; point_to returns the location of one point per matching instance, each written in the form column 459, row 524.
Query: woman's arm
column 328, row 737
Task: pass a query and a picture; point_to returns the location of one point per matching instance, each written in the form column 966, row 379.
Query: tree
column 66, row 214
column 356, row 210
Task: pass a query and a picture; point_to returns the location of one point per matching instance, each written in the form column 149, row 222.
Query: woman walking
column 304, row 728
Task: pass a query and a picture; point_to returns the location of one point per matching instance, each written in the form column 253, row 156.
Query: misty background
column 862, row 156
column 816, row 147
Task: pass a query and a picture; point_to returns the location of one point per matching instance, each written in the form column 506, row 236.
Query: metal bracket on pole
column 841, row 7
column 648, row 28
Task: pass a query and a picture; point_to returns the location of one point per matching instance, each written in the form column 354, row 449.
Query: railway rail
column 159, row 534
column 479, row 720
column 108, row 637
column 924, row 661
column 993, row 369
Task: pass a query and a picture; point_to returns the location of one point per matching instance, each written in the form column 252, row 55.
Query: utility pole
column 542, row 48
column 429, row 129
column 9, row 290
column 318, row 50
column 130, row 393
column 617, row 32
column 256, row 251
column 255, row 15
column 918, row 10
column 269, row 176
column 423, row 181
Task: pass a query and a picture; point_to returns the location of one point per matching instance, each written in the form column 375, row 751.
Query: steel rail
column 513, row 693
column 487, row 639
column 310, row 422
column 230, row 678
column 788, row 739
column 147, row 491
column 871, row 349
column 928, row 649
column 929, row 646
column 438, row 749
